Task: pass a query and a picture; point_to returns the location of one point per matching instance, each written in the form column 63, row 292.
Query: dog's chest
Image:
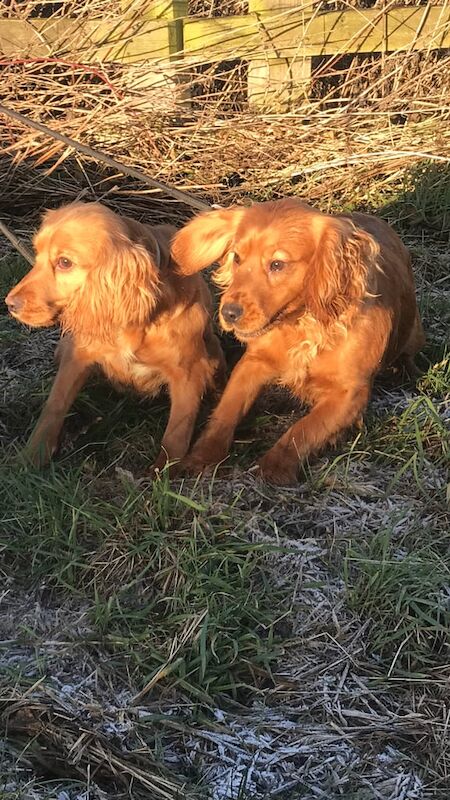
column 296, row 366
column 313, row 356
column 294, row 349
column 143, row 377
column 125, row 366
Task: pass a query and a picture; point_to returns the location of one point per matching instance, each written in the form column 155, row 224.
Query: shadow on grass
column 422, row 205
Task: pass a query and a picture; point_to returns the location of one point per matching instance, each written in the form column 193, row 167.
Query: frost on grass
column 333, row 720
column 270, row 755
column 321, row 731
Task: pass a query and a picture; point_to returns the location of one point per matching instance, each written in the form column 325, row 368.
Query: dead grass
column 225, row 639
column 365, row 122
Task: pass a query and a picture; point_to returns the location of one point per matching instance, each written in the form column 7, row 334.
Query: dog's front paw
column 203, row 459
column 163, row 464
column 279, row 468
column 39, row 452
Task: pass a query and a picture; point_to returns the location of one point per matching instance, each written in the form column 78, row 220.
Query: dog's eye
column 277, row 266
column 236, row 258
column 63, row 263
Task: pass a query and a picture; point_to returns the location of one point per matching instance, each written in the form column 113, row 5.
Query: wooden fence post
column 160, row 83
column 275, row 82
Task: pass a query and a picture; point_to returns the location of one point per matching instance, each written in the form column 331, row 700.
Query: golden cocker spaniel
column 111, row 284
column 322, row 303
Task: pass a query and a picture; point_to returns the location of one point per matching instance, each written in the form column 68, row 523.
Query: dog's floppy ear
column 121, row 290
column 205, row 239
column 337, row 276
column 130, row 274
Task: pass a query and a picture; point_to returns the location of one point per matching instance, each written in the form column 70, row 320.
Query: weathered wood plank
column 110, row 40
column 287, row 35
column 257, row 37
column 222, row 36
column 419, row 28
column 275, row 6
column 251, row 37
column 278, row 83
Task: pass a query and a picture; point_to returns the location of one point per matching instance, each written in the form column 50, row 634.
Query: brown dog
column 322, row 303
column 111, row 284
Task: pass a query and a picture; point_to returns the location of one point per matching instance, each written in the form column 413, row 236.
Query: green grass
column 173, row 586
column 436, row 382
column 176, row 598
column 398, row 579
column 401, row 585
column 422, row 200
column 411, row 440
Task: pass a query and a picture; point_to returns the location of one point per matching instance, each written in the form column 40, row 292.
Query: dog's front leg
column 331, row 415
column 246, row 381
column 72, row 374
column 186, row 389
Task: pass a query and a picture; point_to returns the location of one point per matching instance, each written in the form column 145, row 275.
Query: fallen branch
column 21, row 248
column 183, row 197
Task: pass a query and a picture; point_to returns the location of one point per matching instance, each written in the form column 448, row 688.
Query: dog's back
column 394, row 288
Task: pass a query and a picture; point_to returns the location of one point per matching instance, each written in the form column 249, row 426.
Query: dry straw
column 365, row 121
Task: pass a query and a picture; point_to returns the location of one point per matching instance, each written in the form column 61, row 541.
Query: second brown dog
column 322, row 303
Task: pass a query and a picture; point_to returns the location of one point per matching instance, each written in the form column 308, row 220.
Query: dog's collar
column 279, row 317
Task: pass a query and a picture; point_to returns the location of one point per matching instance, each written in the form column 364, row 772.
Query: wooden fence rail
column 278, row 39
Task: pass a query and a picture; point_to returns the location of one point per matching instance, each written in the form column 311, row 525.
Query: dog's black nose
column 231, row 312
column 14, row 303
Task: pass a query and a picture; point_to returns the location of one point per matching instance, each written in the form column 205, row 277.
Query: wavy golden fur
column 111, row 284
column 322, row 303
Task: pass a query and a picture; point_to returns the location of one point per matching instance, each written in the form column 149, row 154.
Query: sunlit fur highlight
column 339, row 276
column 205, row 239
